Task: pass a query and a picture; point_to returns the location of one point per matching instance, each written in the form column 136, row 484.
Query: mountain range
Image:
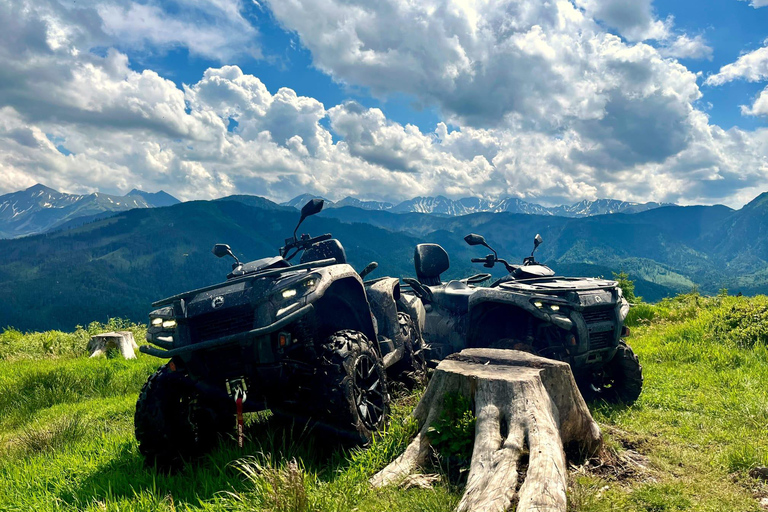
column 118, row 265
column 39, row 208
column 441, row 205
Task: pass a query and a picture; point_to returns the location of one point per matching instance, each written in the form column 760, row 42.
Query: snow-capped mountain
column 441, row 205
column 39, row 208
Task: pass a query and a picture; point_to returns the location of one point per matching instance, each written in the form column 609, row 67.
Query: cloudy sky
column 552, row 101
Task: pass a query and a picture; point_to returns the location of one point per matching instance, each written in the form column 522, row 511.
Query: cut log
column 121, row 340
column 523, row 403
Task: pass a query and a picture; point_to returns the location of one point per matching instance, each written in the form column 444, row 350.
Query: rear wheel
column 412, row 368
column 170, row 422
column 622, row 379
column 354, row 385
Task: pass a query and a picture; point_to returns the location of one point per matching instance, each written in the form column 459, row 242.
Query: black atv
column 306, row 340
column 576, row 320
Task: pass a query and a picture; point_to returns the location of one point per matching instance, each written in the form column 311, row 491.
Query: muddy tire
column 623, row 377
column 353, row 386
column 170, row 424
column 411, row 370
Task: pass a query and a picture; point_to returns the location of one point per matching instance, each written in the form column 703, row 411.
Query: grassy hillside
column 66, row 440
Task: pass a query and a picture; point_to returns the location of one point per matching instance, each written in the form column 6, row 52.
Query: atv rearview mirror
column 311, row 208
column 473, row 239
column 221, row 250
column 537, row 241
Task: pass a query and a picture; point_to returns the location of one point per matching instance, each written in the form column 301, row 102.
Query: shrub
column 453, row 434
column 627, row 287
column 743, row 322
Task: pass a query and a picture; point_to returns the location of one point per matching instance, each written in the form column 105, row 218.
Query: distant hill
column 39, row 208
column 118, row 265
column 441, row 205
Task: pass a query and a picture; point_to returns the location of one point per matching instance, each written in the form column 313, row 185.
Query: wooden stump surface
column 523, row 403
column 121, row 340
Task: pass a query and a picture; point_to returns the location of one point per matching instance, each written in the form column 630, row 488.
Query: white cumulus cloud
column 759, row 107
column 684, row 47
column 539, row 102
column 752, row 66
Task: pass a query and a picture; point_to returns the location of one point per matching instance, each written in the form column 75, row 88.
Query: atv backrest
column 325, row 250
column 430, row 261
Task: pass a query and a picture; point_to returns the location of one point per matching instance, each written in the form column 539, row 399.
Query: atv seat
column 325, row 250
column 454, row 296
column 430, row 261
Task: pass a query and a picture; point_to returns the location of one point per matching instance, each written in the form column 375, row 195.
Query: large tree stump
column 122, row 340
column 522, row 403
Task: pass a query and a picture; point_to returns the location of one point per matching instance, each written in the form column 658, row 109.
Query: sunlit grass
column 66, row 432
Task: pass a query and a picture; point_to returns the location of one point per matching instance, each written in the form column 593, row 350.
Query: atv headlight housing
column 547, row 306
column 289, row 298
column 161, row 323
column 297, row 289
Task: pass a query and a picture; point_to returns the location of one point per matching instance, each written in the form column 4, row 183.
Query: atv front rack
column 255, row 275
column 232, row 338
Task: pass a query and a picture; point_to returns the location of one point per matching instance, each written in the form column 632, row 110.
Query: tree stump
column 122, row 340
column 522, row 403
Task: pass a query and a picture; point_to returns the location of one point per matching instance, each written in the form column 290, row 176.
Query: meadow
column 689, row 443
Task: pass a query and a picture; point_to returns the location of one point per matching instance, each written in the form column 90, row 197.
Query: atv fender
column 412, row 305
column 383, row 295
column 341, row 303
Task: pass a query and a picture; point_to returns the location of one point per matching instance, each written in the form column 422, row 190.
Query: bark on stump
column 122, row 340
column 522, row 403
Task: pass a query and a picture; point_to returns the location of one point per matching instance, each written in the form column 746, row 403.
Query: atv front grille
column 598, row 340
column 221, row 323
column 593, row 316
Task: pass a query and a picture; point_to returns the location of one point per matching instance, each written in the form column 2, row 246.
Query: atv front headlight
column 298, row 289
column 546, row 306
column 162, row 325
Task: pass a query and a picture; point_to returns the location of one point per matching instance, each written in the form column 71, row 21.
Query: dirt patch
column 619, row 464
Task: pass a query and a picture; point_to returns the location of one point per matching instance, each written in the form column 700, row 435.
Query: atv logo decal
column 217, row 302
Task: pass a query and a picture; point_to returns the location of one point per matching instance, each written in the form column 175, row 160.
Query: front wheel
column 354, row 385
column 171, row 424
column 622, row 379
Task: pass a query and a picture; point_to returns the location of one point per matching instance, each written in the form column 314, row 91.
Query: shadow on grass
column 126, row 477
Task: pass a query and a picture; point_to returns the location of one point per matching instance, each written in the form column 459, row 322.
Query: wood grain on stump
column 121, row 340
column 523, row 403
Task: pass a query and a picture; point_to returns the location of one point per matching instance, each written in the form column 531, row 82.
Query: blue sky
column 729, row 27
column 552, row 101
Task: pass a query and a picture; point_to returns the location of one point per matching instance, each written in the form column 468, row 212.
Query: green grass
column 66, row 431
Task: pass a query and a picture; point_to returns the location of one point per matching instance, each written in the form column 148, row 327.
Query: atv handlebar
column 491, row 260
column 302, row 243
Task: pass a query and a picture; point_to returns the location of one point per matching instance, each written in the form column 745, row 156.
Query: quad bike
column 576, row 320
column 307, row 340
